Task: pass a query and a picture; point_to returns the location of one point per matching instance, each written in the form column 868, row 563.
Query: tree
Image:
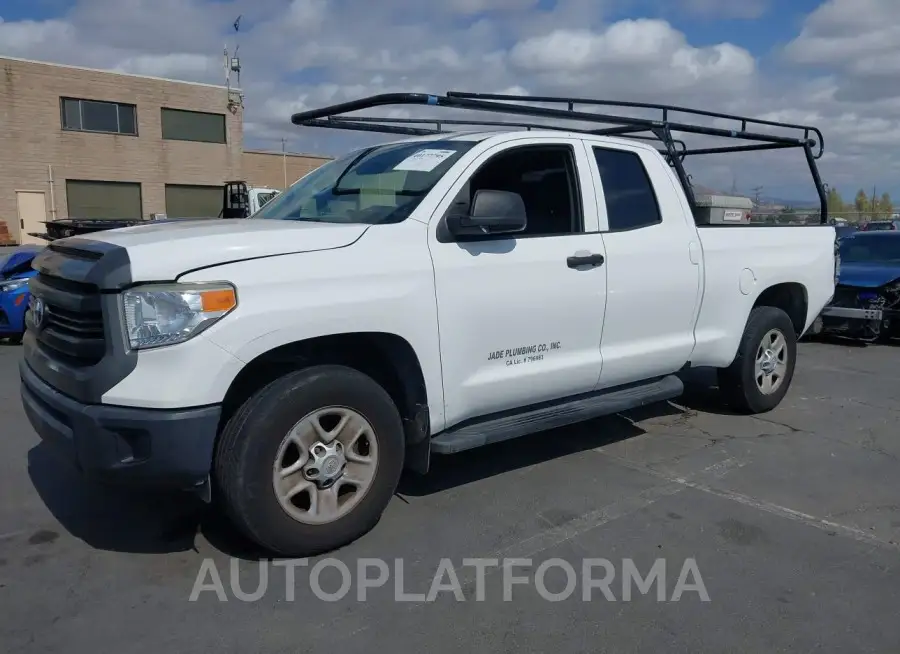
column 885, row 205
column 835, row 202
column 861, row 202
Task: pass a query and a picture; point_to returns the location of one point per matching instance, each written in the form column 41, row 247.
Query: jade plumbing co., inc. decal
column 524, row 354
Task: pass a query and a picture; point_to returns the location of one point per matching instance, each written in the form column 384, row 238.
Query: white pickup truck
column 415, row 298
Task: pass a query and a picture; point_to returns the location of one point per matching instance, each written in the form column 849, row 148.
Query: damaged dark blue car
column 866, row 303
column 15, row 271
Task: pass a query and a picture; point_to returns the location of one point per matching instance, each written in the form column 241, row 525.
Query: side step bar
column 506, row 426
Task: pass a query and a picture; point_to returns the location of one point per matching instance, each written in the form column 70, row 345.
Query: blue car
column 845, row 231
column 15, row 271
column 866, row 303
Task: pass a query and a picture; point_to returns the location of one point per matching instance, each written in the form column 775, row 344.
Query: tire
column 886, row 332
column 247, row 454
column 738, row 383
column 16, row 339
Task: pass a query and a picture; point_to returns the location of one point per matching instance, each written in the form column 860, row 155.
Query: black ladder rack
column 661, row 128
column 379, row 124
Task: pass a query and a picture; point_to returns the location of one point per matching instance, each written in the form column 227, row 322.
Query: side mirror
column 492, row 212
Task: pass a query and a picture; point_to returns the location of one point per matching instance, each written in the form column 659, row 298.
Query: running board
column 508, row 426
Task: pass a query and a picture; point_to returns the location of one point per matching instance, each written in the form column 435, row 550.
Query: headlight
column 166, row 314
column 13, row 285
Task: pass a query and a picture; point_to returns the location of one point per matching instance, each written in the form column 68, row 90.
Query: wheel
column 885, row 332
column 310, row 462
column 815, row 329
column 16, row 339
column 761, row 373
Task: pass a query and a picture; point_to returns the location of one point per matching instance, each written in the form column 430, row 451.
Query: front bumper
column 158, row 448
column 853, row 314
column 12, row 312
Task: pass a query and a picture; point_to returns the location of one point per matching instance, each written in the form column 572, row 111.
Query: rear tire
column 761, row 373
column 255, row 475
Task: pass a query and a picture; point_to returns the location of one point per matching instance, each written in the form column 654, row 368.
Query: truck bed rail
column 660, row 128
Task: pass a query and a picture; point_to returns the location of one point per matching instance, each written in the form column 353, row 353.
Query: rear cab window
column 631, row 201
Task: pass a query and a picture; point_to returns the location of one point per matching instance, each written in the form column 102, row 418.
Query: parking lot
column 793, row 519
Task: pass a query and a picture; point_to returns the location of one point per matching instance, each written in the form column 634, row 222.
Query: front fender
column 380, row 284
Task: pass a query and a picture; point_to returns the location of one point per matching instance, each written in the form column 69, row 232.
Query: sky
column 832, row 64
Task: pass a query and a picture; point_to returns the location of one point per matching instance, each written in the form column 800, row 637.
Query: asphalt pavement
column 778, row 533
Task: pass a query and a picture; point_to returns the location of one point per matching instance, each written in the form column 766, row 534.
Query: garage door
column 188, row 201
column 93, row 199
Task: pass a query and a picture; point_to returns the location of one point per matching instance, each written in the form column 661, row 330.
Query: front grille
column 72, row 328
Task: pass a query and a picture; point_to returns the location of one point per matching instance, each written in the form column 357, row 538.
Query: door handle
column 592, row 260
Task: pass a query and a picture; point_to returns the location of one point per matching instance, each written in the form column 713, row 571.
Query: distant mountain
column 796, row 204
column 700, row 189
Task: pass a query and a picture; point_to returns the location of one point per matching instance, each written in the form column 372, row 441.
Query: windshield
column 871, row 248
column 263, row 198
column 372, row 186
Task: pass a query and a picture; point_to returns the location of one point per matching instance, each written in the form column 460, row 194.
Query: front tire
column 761, row 373
column 309, row 463
column 16, row 339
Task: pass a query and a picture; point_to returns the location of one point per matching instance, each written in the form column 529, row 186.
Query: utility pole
column 756, row 191
column 284, row 162
column 235, row 98
column 874, row 206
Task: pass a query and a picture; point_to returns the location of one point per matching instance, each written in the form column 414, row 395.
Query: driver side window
column 544, row 176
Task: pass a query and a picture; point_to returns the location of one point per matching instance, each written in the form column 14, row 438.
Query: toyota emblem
column 38, row 313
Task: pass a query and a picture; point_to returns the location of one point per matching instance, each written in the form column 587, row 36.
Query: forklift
column 242, row 201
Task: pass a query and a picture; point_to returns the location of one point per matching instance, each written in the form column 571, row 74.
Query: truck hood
column 868, row 274
column 163, row 251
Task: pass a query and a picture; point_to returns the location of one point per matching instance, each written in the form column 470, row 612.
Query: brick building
column 268, row 168
column 82, row 143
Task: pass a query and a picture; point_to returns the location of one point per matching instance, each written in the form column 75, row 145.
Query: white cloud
column 842, row 70
column 857, row 35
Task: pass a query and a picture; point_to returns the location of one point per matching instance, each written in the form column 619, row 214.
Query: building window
column 179, row 125
column 194, row 201
column 95, row 116
column 99, row 199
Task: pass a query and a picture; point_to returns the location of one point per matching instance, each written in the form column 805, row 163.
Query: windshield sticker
column 425, row 160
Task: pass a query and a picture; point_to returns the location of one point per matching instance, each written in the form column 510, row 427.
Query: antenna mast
column 233, row 65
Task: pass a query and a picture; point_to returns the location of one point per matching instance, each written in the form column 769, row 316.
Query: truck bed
column 750, row 258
